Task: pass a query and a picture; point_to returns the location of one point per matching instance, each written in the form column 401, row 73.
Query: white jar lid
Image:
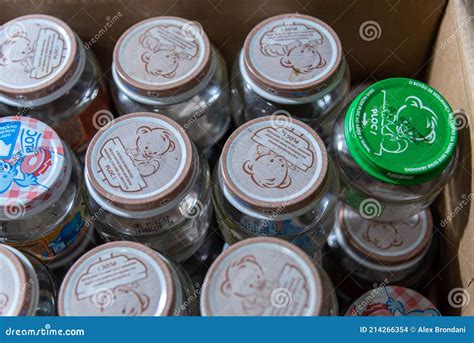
column 118, row 279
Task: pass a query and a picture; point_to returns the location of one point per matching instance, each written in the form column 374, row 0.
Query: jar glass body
column 320, row 112
column 177, row 231
column 205, row 115
column 47, row 288
column 307, row 228
column 53, row 233
column 74, row 114
column 365, row 193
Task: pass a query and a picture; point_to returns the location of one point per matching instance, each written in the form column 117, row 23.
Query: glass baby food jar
column 266, row 277
column 374, row 252
column 392, row 301
column 125, row 279
column 395, row 149
column 167, row 65
column 274, row 179
column 148, row 183
column 42, row 206
column 27, row 287
column 46, row 73
column 291, row 63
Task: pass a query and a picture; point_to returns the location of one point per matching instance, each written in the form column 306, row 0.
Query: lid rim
column 264, row 206
column 147, row 202
column 174, row 88
column 154, row 255
column 71, row 65
column 391, row 172
column 205, row 298
column 310, row 87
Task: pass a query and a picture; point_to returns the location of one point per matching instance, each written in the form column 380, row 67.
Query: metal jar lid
column 262, row 276
column 33, row 167
column 274, row 164
column 19, row 289
column 392, row 301
column 118, row 279
column 401, row 131
column 162, row 57
column 386, row 242
column 38, row 55
column 138, row 162
column 292, row 55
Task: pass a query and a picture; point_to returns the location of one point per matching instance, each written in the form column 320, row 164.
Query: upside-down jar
column 48, row 74
column 42, row 205
column 27, row 287
column 147, row 183
column 167, row 65
column 126, row 279
column 266, row 277
column 395, row 149
column 374, row 252
column 391, row 301
column 291, row 64
column 274, row 179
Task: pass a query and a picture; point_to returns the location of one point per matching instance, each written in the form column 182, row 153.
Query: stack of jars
column 318, row 191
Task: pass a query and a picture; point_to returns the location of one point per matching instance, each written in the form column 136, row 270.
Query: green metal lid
column 401, row 131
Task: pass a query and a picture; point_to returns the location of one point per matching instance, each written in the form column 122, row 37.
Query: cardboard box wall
column 430, row 40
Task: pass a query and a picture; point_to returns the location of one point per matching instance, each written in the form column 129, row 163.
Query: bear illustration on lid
column 151, row 145
column 121, row 301
column 162, row 58
column 245, row 279
column 17, row 49
column 268, row 170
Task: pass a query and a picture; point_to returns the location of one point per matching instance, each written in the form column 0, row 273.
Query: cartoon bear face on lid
column 302, row 58
column 15, row 49
column 151, row 144
column 125, row 301
column 244, row 278
column 268, row 169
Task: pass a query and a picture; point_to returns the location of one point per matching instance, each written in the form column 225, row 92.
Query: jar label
column 32, row 165
column 79, row 130
column 57, row 242
column 118, row 281
column 274, row 161
column 34, row 50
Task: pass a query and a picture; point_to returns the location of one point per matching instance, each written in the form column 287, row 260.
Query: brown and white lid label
column 12, row 284
column 165, row 51
column 292, row 50
column 274, row 161
column 34, row 51
column 117, row 280
column 391, row 241
column 140, row 158
column 259, row 277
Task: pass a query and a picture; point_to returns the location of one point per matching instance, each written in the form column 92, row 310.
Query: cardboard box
column 432, row 40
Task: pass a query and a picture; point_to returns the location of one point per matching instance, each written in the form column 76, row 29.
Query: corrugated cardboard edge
column 452, row 72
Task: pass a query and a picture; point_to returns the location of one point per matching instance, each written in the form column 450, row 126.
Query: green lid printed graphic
column 401, row 131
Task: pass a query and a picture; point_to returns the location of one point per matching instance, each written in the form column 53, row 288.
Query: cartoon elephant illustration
column 8, row 176
column 17, row 49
